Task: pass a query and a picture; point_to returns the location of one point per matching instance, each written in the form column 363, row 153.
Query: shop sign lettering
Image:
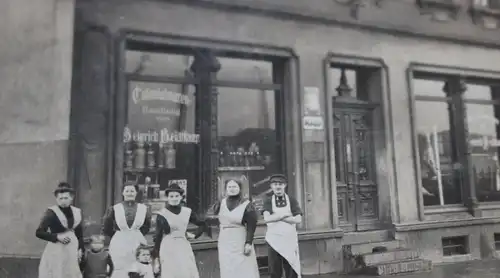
column 164, row 136
column 161, row 111
column 313, row 123
column 147, row 94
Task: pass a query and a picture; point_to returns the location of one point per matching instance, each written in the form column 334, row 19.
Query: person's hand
column 156, row 266
column 80, row 255
column 247, row 250
column 64, row 239
column 190, row 235
column 285, row 216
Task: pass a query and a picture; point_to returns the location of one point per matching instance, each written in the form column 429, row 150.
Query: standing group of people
column 127, row 223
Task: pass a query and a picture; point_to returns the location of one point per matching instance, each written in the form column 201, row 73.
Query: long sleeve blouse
column 50, row 226
column 110, row 226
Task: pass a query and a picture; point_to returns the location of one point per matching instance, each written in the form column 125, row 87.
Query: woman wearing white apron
column 61, row 227
column 126, row 223
column 172, row 250
column 281, row 214
column 237, row 220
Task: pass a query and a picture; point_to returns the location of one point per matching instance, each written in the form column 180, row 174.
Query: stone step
column 398, row 267
column 365, row 248
column 389, row 256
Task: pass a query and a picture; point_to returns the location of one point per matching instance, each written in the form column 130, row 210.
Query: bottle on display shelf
column 161, row 155
column 129, row 156
column 140, row 156
column 241, row 159
column 151, row 155
column 170, row 154
column 247, row 159
column 221, row 159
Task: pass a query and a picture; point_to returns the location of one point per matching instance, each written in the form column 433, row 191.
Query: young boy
column 142, row 268
column 281, row 214
column 97, row 261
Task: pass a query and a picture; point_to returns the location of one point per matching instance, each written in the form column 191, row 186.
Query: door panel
column 356, row 186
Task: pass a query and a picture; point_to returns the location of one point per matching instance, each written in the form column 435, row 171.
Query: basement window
column 454, row 246
column 496, row 237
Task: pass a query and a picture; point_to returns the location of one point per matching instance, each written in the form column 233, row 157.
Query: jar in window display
column 140, row 156
column 170, row 156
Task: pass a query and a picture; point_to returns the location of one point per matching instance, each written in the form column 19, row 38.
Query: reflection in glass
column 243, row 70
column 483, row 141
column 160, row 140
column 437, row 160
column 351, row 80
column 478, row 92
column 247, row 139
column 428, row 88
column 158, row 64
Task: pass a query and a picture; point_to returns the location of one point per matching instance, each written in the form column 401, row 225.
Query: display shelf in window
column 241, row 168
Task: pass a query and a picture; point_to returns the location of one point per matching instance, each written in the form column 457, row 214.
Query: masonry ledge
column 439, row 224
column 330, row 12
column 260, row 240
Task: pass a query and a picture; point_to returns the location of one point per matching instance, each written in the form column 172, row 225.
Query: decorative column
column 205, row 67
column 455, row 88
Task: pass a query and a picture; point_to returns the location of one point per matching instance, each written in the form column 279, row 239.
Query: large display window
column 199, row 118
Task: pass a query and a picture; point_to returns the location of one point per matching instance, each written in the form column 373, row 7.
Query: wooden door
column 355, row 168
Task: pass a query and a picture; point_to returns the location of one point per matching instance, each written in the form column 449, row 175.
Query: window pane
column 248, row 140
column 424, row 87
column 160, row 64
column 160, row 140
column 437, row 163
column 478, row 92
column 484, row 143
column 335, row 79
column 243, row 70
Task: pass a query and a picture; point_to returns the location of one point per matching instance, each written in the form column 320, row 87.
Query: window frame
column 469, row 76
column 286, row 75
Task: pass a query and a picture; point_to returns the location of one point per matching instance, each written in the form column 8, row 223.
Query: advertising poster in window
column 159, row 138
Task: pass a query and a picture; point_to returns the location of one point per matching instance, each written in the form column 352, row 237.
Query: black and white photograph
column 250, row 138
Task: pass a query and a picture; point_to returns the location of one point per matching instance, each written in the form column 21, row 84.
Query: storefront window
column 436, row 144
column 200, row 123
column 249, row 149
column 484, row 143
column 160, row 139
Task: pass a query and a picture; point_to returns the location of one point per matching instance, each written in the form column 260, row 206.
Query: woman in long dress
column 172, row 249
column 126, row 223
column 237, row 220
column 61, row 228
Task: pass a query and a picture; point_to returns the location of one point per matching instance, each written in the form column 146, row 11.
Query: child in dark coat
column 97, row 261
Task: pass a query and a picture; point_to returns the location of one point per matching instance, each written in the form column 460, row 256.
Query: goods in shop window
column 161, row 155
column 151, row 155
column 129, row 156
column 140, row 156
column 170, row 157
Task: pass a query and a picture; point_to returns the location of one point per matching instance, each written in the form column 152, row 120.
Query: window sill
column 489, row 206
column 260, row 240
column 488, row 18
column 439, row 224
column 457, row 258
column 441, row 10
column 444, row 209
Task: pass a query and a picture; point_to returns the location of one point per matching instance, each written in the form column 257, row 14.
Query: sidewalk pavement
column 475, row 269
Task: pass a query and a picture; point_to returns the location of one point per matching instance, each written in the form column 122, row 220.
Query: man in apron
column 281, row 214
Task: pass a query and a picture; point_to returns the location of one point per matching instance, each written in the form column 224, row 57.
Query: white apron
column 59, row 260
column 176, row 255
column 283, row 238
column 233, row 263
column 125, row 241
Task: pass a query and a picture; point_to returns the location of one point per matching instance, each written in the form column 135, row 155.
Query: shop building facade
column 386, row 129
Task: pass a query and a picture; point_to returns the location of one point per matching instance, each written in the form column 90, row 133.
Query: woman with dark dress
column 172, row 249
column 237, row 220
column 126, row 223
column 61, row 228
